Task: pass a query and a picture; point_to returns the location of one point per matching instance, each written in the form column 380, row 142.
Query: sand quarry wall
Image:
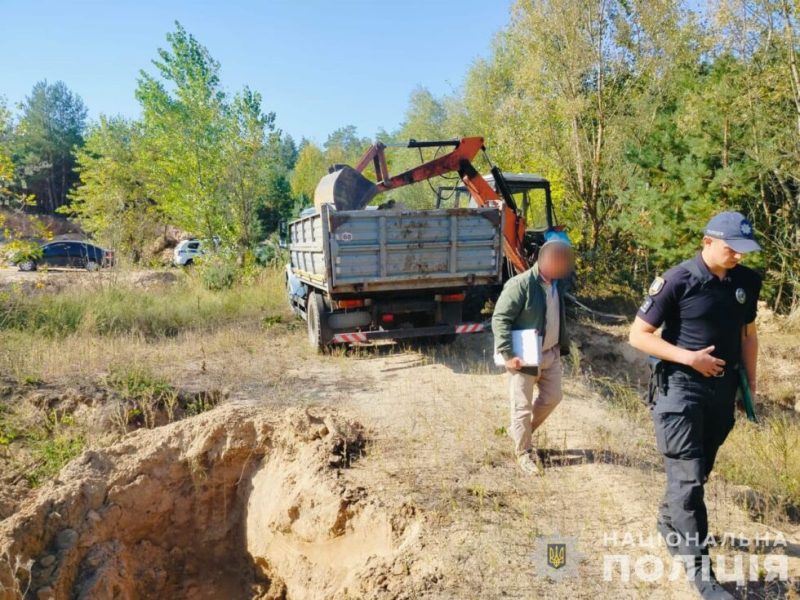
column 233, row 503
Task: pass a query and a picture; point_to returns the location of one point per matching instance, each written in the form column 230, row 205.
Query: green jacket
column 522, row 305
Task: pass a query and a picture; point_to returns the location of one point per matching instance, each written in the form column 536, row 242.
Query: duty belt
column 727, row 371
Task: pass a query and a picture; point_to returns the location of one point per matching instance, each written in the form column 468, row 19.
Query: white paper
column 525, row 343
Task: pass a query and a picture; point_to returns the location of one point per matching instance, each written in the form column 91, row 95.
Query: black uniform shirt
column 699, row 310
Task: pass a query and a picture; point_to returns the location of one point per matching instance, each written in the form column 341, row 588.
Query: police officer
column 707, row 307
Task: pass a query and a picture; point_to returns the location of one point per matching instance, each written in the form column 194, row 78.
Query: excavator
column 348, row 189
column 360, row 272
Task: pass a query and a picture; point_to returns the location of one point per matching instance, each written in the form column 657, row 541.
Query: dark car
column 82, row 255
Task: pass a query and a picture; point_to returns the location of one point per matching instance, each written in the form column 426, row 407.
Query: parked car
column 188, row 250
column 69, row 253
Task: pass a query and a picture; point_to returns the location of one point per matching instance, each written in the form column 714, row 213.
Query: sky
column 318, row 65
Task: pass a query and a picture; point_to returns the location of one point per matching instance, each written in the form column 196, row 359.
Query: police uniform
column 692, row 413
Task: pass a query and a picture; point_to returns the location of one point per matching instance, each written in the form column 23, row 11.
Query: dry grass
column 118, row 308
column 139, row 346
column 79, row 332
column 766, row 457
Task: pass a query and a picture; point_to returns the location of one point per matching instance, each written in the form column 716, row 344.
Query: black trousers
column 692, row 418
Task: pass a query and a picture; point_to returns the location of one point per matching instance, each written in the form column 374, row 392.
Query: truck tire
column 318, row 335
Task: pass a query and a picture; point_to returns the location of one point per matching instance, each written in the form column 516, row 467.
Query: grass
column 80, row 331
column 132, row 381
column 9, row 431
column 120, row 308
column 50, row 442
column 125, row 338
column 765, row 457
column 621, row 395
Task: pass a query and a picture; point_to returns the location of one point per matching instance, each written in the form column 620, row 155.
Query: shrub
column 218, row 270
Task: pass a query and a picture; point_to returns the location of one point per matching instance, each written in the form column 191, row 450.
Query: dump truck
column 361, row 272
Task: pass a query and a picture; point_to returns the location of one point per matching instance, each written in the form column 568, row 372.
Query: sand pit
column 233, row 503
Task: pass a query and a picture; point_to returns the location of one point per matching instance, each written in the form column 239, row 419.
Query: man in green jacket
column 535, row 300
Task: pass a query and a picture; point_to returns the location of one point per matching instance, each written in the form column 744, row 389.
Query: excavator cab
column 530, row 199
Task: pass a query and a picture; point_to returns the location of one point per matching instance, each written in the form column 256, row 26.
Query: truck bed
column 355, row 251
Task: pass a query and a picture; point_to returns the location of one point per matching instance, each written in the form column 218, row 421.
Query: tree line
column 647, row 116
column 207, row 162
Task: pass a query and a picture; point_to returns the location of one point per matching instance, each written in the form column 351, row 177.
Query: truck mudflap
column 395, row 334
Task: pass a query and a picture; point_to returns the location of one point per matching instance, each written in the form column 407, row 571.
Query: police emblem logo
column 746, row 228
column 656, row 286
column 556, row 555
column 550, row 557
column 741, row 295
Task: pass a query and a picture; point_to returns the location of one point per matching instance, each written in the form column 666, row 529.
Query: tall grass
column 765, row 457
column 120, row 308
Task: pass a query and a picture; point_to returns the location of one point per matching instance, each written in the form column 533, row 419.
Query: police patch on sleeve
column 741, row 295
column 656, row 286
column 648, row 302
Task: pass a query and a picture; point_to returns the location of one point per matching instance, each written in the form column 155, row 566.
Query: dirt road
column 426, row 503
column 439, row 422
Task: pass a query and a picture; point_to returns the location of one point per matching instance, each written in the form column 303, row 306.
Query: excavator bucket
column 346, row 188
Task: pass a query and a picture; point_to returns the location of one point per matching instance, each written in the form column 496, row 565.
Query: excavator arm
column 352, row 184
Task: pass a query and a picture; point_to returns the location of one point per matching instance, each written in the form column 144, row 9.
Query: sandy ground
column 441, row 441
column 57, row 278
column 435, row 506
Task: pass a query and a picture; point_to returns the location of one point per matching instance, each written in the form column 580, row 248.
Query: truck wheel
column 315, row 319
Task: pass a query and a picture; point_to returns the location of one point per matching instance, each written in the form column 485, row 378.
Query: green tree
column 344, row 146
column 51, row 126
column 247, row 160
column 6, row 159
column 112, row 201
column 184, row 127
column 310, row 167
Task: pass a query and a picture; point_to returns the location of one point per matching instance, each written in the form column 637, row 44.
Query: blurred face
column 718, row 254
column 556, row 261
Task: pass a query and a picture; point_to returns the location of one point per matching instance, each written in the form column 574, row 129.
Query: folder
column 527, row 344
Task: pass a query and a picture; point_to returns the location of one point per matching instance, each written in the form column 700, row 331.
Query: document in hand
column 525, row 343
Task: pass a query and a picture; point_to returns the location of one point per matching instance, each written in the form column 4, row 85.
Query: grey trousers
column 526, row 414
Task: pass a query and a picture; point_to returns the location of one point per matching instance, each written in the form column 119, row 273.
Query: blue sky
column 319, row 65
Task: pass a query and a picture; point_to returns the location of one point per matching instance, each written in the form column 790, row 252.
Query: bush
column 270, row 254
column 218, row 270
